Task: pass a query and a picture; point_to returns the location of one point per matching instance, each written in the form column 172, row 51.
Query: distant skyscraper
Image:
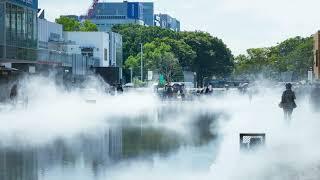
column 148, row 13
column 107, row 14
column 166, row 21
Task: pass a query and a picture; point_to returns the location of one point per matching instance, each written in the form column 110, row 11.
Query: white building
column 90, row 44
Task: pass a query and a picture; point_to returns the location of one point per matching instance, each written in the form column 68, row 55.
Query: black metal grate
column 252, row 141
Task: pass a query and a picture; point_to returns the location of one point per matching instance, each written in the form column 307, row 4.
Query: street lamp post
column 195, row 80
column 141, row 68
column 131, row 74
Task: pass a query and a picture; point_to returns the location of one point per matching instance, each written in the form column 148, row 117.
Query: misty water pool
column 117, row 148
column 137, row 136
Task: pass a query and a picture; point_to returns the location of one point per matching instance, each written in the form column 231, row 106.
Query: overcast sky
column 241, row 24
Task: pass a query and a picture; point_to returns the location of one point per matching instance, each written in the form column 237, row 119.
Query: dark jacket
column 14, row 92
column 288, row 100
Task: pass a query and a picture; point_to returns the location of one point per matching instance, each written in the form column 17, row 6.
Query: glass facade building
column 148, row 13
column 167, row 22
column 18, row 30
column 107, row 14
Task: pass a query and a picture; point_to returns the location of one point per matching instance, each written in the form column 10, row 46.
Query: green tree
column 159, row 58
column 70, row 24
column 294, row 55
column 88, row 26
column 255, row 63
column 195, row 51
column 182, row 51
column 133, row 35
column 213, row 56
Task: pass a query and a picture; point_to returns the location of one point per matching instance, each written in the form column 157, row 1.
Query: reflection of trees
column 148, row 141
column 151, row 140
column 100, row 150
column 202, row 128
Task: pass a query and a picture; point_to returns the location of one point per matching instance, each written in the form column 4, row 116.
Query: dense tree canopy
column 293, row 55
column 70, row 24
column 159, row 58
column 194, row 51
column 213, row 56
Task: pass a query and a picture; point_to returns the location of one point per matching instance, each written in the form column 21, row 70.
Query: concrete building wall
column 316, row 67
column 97, row 41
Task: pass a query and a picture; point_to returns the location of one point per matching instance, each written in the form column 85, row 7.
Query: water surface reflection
column 92, row 154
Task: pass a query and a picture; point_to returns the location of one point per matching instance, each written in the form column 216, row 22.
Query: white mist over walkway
column 291, row 151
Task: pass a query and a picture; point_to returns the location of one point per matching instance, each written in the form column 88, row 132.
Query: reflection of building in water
column 115, row 143
column 18, row 165
column 90, row 151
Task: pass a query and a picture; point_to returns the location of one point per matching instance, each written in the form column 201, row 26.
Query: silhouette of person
column 288, row 102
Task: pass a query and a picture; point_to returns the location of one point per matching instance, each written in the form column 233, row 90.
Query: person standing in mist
column 14, row 93
column 288, row 103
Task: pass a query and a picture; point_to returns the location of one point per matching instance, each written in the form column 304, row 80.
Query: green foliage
column 88, row 26
column 294, row 54
column 213, row 56
column 133, row 35
column 185, row 54
column 70, row 24
column 255, row 61
column 138, row 83
column 195, row 51
column 159, row 58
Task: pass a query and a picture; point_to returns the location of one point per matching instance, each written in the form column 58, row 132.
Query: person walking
column 288, row 103
column 14, row 93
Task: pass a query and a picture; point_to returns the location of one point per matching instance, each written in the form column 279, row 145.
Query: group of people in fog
column 178, row 90
column 174, row 91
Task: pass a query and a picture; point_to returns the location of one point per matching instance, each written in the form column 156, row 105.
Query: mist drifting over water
column 291, row 152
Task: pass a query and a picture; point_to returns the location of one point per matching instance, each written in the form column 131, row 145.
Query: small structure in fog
column 252, row 141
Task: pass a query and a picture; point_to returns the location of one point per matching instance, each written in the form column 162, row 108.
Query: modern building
column 167, row 22
column 104, row 48
column 107, row 14
column 18, row 31
column 89, row 44
column 51, row 44
column 148, row 13
column 116, row 50
column 316, row 67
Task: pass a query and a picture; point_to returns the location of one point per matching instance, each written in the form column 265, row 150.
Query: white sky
column 241, row 24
